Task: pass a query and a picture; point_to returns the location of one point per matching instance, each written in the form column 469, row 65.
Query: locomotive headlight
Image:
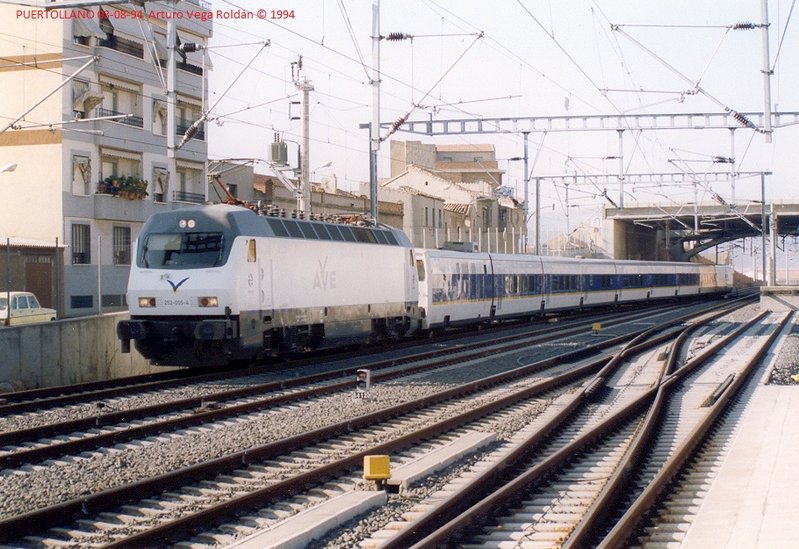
column 146, row 302
column 191, row 223
column 209, row 301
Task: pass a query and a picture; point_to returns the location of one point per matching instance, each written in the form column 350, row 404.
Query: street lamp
column 318, row 168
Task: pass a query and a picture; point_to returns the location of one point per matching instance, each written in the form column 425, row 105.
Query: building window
column 81, row 244
column 159, row 117
column 186, row 115
column 160, row 184
column 119, row 99
column 81, row 175
column 81, row 301
column 121, row 245
column 120, row 164
column 189, row 185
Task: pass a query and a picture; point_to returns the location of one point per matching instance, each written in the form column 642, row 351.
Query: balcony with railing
column 181, row 125
column 132, row 120
column 181, row 65
column 123, row 45
column 184, row 196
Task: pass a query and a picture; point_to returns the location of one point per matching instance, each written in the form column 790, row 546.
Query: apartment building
column 91, row 157
column 454, row 193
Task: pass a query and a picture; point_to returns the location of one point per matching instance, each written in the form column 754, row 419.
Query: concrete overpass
column 677, row 233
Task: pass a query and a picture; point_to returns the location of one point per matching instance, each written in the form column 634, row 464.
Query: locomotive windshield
column 183, row 250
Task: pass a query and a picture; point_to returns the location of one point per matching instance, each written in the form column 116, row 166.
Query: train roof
column 239, row 220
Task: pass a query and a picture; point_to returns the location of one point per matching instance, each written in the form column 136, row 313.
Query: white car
column 25, row 309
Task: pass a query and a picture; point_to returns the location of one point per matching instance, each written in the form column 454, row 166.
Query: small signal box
column 363, row 381
column 377, row 468
column 596, row 327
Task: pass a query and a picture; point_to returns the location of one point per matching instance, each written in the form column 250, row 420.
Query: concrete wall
column 65, row 352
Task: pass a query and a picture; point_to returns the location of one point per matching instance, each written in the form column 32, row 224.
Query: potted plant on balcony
column 132, row 188
column 136, row 188
column 108, row 186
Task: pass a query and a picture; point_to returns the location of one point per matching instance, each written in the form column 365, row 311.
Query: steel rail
column 626, row 525
column 616, row 486
column 207, row 415
column 32, row 399
column 297, row 484
column 36, row 399
column 40, row 519
column 71, row 426
column 479, row 500
column 95, row 503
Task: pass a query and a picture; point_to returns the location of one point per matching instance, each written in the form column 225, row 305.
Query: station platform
column 754, row 500
column 779, row 298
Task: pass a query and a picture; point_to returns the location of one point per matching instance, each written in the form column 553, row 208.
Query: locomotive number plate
column 176, row 303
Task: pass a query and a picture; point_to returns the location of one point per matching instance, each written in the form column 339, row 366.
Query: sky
column 475, row 59
column 518, row 58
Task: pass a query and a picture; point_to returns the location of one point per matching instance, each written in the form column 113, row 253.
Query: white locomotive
column 219, row 283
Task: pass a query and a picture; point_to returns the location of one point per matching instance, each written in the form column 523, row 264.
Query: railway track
column 565, row 495
column 39, row 400
column 237, row 488
column 52, row 440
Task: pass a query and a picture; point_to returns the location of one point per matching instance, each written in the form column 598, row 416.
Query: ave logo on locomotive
column 178, row 285
column 324, row 279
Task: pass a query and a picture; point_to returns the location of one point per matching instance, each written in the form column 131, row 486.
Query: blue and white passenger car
column 457, row 288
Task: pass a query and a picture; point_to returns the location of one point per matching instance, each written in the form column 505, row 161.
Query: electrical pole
column 171, row 101
column 763, row 222
column 305, row 86
column 766, row 71
column 773, row 230
column 537, row 216
column 621, row 169
column 374, row 132
column 526, row 193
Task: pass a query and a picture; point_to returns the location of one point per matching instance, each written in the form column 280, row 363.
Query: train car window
column 335, row 232
column 420, row 270
column 391, row 238
column 251, row 255
column 307, row 231
column 346, row 232
column 364, row 235
column 293, row 228
column 322, row 231
column 277, row 227
column 381, row 237
column 183, row 250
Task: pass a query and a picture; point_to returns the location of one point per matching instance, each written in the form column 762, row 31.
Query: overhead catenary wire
column 740, row 118
column 348, row 24
column 404, row 118
column 782, row 37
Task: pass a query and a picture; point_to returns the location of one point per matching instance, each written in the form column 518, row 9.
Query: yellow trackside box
column 376, row 468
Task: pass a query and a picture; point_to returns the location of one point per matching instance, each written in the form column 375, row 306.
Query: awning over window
column 87, row 28
column 183, row 164
column 117, row 153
